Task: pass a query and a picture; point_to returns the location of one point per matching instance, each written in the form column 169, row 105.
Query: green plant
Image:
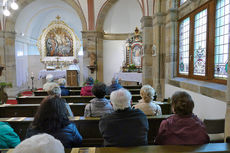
column 4, row 84
column 132, row 67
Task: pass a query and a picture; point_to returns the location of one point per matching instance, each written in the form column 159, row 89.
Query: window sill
column 213, row 90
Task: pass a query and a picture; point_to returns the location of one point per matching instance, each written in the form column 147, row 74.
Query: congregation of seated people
column 120, row 124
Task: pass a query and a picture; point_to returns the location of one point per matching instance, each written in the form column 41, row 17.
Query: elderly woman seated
column 64, row 91
column 100, row 105
column 114, row 86
column 182, row 128
column 49, row 82
column 55, row 90
column 146, row 104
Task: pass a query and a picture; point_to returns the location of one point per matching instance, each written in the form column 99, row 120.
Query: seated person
column 182, row 128
column 87, row 89
column 49, row 81
column 114, row 86
column 99, row 105
column 51, row 118
column 125, row 126
column 55, row 90
column 146, row 104
column 64, row 90
column 41, row 143
column 8, row 138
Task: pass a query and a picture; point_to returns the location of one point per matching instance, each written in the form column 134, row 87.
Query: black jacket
column 69, row 135
column 127, row 127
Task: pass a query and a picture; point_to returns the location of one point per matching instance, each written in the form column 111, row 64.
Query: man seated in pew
column 100, row 105
column 182, row 128
column 8, row 138
column 64, row 90
column 41, row 143
column 125, row 126
column 55, row 90
column 49, row 82
column 114, row 86
column 87, row 89
column 146, row 104
column 52, row 118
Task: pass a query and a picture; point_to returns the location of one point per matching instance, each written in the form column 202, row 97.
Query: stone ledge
column 213, row 90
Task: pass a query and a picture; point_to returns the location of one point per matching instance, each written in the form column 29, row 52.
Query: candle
column 32, row 74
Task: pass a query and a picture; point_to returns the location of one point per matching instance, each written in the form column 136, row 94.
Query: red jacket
column 182, row 130
column 86, row 91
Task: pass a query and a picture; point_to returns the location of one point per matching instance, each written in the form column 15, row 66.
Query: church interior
column 171, row 45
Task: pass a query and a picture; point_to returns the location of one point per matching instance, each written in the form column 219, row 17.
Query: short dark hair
column 182, row 103
column 51, row 115
column 99, row 90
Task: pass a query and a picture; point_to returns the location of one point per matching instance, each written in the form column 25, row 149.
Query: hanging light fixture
column 14, row 5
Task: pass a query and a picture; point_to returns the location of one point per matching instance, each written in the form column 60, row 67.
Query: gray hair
column 61, row 81
column 147, row 93
column 49, row 78
column 120, row 99
column 44, row 143
column 54, row 90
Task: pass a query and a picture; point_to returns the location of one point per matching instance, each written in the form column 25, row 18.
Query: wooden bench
column 77, row 92
column 69, row 99
column 126, row 87
column 88, row 127
column 206, row 148
column 29, row 110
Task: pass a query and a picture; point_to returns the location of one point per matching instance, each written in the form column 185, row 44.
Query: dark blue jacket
column 113, row 87
column 69, row 135
column 64, row 91
column 127, row 127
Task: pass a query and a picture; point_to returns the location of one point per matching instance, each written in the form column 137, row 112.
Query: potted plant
column 3, row 94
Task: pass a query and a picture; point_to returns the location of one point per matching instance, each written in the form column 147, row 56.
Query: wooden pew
column 206, row 148
column 77, row 92
column 69, row 99
column 126, row 87
column 88, row 127
column 29, row 110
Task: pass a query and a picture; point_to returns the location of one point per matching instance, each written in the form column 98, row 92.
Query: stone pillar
column 159, row 43
column 8, row 61
column 147, row 33
column 93, row 53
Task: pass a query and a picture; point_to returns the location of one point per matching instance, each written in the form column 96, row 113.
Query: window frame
column 210, row 44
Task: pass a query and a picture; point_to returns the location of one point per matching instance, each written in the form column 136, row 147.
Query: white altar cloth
column 56, row 73
column 129, row 76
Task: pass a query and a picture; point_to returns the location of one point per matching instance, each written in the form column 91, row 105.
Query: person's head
column 61, row 82
column 89, row 81
column 182, row 103
column 114, row 80
column 51, row 115
column 41, row 143
column 99, row 90
column 54, row 90
column 49, row 78
column 147, row 93
column 75, row 61
column 120, row 99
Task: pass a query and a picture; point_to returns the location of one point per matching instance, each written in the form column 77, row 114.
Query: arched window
column 204, row 37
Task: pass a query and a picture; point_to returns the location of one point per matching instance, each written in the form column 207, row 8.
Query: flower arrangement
column 131, row 67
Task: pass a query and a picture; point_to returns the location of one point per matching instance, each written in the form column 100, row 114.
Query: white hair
column 61, row 81
column 54, row 89
column 49, row 78
column 120, row 99
column 41, row 143
column 147, row 93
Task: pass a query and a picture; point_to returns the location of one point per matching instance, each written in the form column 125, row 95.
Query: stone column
column 159, row 43
column 8, row 61
column 147, row 33
column 93, row 53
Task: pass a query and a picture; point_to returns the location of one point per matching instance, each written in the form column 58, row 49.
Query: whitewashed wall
column 113, row 58
column 205, row 107
column 123, row 17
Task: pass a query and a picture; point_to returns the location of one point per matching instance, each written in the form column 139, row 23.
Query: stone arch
column 102, row 14
column 11, row 21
